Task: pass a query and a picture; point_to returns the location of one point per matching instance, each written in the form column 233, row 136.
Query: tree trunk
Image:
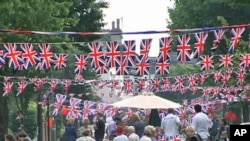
column 4, row 115
column 245, row 112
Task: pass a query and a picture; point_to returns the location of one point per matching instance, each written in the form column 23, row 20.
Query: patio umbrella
column 146, row 102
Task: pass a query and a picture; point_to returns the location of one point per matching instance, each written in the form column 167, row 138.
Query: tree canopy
column 45, row 15
column 212, row 13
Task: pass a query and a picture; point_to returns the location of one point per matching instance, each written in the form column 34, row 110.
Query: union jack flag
column 60, row 61
column 112, row 111
column 162, row 66
column 182, row 114
column 227, row 90
column 59, row 102
column 166, row 83
column 225, row 78
column 141, row 84
column 207, row 62
column 183, row 49
column 7, row 88
column 203, row 77
column 165, row 47
column 240, row 78
column 103, row 83
column 200, row 44
column 13, row 55
column 89, row 108
column 205, row 91
column 216, row 90
column 29, row 55
column 231, row 97
column 242, row 69
column 174, row 88
column 102, row 70
column 53, row 84
column 79, row 77
column 127, row 115
column 114, row 54
column 236, row 37
column 145, row 48
column 194, row 89
column 21, row 86
column 123, row 69
column 66, row 84
column 96, row 55
column 143, row 66
column 74, row 106
column 226, row 60
column 192, row 81
column 179, row 82
column 129, row 53
column 217, row 76
column 245, row 60
column 2, row 58
column 128, row 86
column 39, row 82
column 218, row 34
column 81, row 63
column 155, row 84
column 102, row 108
column 46, row 57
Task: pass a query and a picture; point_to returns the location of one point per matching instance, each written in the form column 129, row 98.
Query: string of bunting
column 77, row 108
column 193, row 82
column 121, row 33
column 123, row 59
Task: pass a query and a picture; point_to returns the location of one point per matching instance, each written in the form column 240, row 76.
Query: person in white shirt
column 170, row 125
column 201, row 122
column 132, row 136
column 119, row 135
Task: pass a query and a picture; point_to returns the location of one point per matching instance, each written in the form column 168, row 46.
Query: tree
column 90, row 17
column 42, row 15
column 213, row 13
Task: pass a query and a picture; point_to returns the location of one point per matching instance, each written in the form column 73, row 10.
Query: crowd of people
column 22, row 136
column 202, row 128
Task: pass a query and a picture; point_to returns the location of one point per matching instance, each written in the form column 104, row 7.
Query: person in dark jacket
column 99, row 127
column 70, row 131
column 139, row 125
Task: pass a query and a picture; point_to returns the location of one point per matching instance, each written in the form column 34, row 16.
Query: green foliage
column 29, row 121
column 90, row 17
column 212, row 13
column 53, row 16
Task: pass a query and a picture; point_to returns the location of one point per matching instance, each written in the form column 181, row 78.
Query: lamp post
column 39, row 119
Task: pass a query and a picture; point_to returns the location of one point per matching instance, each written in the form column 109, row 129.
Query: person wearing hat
column 119, row 135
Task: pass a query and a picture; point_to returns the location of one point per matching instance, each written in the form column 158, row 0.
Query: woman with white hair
column 146, row 135
column 132, row 136
column 192, row 134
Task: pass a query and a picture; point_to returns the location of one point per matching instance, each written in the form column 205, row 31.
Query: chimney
column 113, row 25
column 118, row 23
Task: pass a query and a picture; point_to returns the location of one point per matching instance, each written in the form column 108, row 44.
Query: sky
column 139, row 15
